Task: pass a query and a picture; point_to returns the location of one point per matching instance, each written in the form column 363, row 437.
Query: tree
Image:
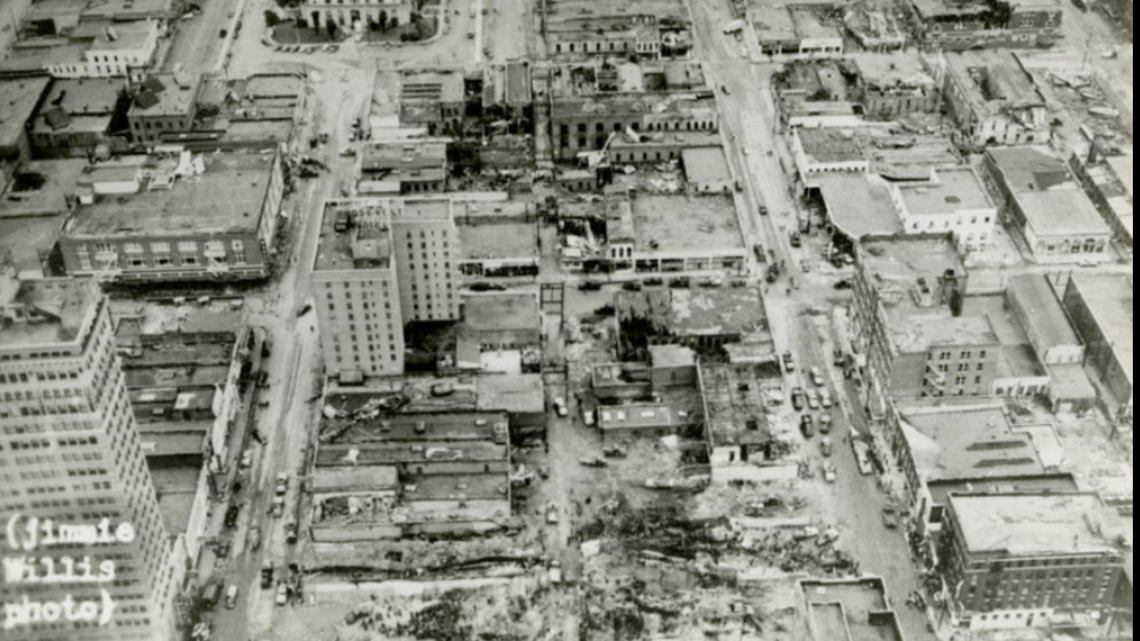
column 271, row 18
column 383, row 20
column 395, row 22
column 330, row 26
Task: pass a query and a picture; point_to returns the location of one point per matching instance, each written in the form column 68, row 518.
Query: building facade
column 392, row 13
column 71, row 453
column 1101, row 308
column 954, row 201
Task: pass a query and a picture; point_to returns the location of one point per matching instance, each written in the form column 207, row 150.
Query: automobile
column 812, row 399
column 772, row 274
column 805, row 265
column 304, row 309
column 614, row 451
column 789, row 362
column 890, row 518
column 441, row 390
column 763, row 210
column 794, row 282
column 825, row 398
column 231, row 596
column 825, row 446
column 278, row 507
column 825, row 423
column 795, row 239
column 837, row 358
column 232, row 516
column 254, row 537
column 247, row 458
column 282, row 484
column 798, row 399
column 588, row 418
column 348, row 151
column 816, row 376
column 332, row 48
column 758, row 251
column 291, row 532
column 631, row 286
column 807, row 426
column 593, row 461
column 487, row 287
column 552, row 514
column 560, row 407
column 724, row 90
column 266, row 575
column 744, row 151
column 739, row 186
column 829, row 472
column 589, row 286
column 210, row 593
column 282, row 593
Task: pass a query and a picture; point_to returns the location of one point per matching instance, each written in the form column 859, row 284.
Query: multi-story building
column 23, row 97
column 76, row 117
column 908, row 328
column 433, row 100
column 163, row 108
column 389, row 13
column 91, row 50
column 1108, row 182
column 396, row 169
column 973, row 24
column 382, row 264
column 70, row 452
column 1100, row 308
column 191, row 218
column 955, row 201
column 1016, row 560
column 894, row 85
column 993, row 99
column 1059, row 221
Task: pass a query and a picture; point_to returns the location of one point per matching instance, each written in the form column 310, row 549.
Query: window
column 160, row 248
column 187, row 246
column 965, row 355
column 133, row 248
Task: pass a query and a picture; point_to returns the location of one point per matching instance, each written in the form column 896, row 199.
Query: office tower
column 381, row 264
column 70, row 452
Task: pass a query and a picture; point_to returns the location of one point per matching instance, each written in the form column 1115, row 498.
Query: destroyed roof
column 501, row 311
column 462, row 426
column 892, row 69
column 642, row 415
column 858, row 204
column 694, row 312
column 386, row 453
column 734, row 403
column 671, row 356
column 705, row 165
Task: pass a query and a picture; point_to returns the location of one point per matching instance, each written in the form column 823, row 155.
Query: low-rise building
column 1059, row 222
column 702, row 319
column 435, row 101
column 507, row 95
column 1037, row 307
column 993, row 99
column 706, row 169
column 90, row 50
column 894, row 85
column 954, row 201
column 396, row 169
column 1108, row 182
column 190, row 218
column 76, row 117
column 742, row 436
column 795, row 31
column 163, row 108
column 498, row 240
column 1100, row 308
column 367, row 15
column 850, row 609
column 1016, row 560
column 954, row 26
column 646, row 28
column 22, row 99
column 500, row 331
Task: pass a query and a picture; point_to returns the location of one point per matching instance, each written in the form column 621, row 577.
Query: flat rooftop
column 917, row 329
column 366, row 244
column 25, row 240
column 1031, row 168
column 685, row 224
column 371, row 478
column 35, row 56
column 900, row 262
column 514, row 393
column 967, row 443
column 388, row 156
column 858, row 204
column 705, row 164
column 954, row 190
column 21, row 97
column 501, row 311
column 1061, row 211
column 1043, row 308
column 228, row 197
column 176, row 488
column 1031, row 524
column 585, row 10
column 381, row 454
column 173, row 99
column 636, row 416
column 498, row 240
column 61, row 304
column 1109, row 296
column 993, row 78
column 460, row 426
column 1122, row 168
column 892, row 70
column 826, row 145
column 841, row 610
column 446, row 86
column 1061, row 482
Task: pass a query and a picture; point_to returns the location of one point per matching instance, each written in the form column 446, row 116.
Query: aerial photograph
column 566, row 320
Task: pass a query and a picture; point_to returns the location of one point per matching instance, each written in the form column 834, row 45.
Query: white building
column 119, row 50
column 346, row 14
column 955, row 201
column 70, row 452
column 381, row 264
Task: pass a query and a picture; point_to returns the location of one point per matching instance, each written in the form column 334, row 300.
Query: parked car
column 266, row 575
column 807, row 426
column 247, row 458
column 825, row 446
column 798, row 400
column 593, row 461
column 829, row 472
column 842, row 284
column 304, row 309
column 812, row 399
column 825, row 423
column 825, row 398
column 789, row 362
column 631, row 286
column 795, row 239
column 232, row 516
column 890, row 518
column 282, row 593
column 278, row 507
column 816, row 376
column 560, row 407
column 838, row 358
column 291, row 532
column 231, row 596
column 588, row 418
column 552, row 514
column 589, row 286
column 282, row 484
column 254, row 537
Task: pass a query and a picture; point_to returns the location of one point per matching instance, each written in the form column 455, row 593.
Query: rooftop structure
column 994, row 99
column 1101, row 310
column 967, row 443
column 954, row 190
column 859, row 205
column 665, row 224
column 734, row 405
column 850, row 610
column 682, row 314
column 1025, row 525
column 706, row 168
column 21, row 100
column 1043, row 313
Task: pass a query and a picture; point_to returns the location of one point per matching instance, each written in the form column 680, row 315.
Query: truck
column 734, row 26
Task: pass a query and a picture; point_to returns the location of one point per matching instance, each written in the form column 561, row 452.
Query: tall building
column 382, row 264
column 70, row 452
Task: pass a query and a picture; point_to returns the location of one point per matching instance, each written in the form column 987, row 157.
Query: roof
column 514, row 393
column 370, row 478
column 685, row 223
column 227, row 197
column 1031, row 524
column 694, row 312
column 993, row 78
column 362, row 246
column 174, row 99
column 1061, row 212
column 25, row 239
column 460, row 426
column 38, row 55
column 827, row 145
column 734, row 403
column 917, row 330
column 848, row 610
column 1109, row 298
column 891, row 70
column 954, row 190
column 636, row 416
column 671, row 356
column 950, row 443
column 900, row 262
column 403, row 156
column 176, row 488
column 63, row 306
column 19, row 102
column 1030, row 168
column 772, row 23
column 501, row 311
column 518, row 83
column 1036, row 483
column 1043, row 309
column 285, row 85
column 373, row 454
column 469, row 486
column 705, row 165
column 86, row 96
column 858, row 204
column 1122, row 167
column 498, row 240
column 127, row 35
column 432, row 86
